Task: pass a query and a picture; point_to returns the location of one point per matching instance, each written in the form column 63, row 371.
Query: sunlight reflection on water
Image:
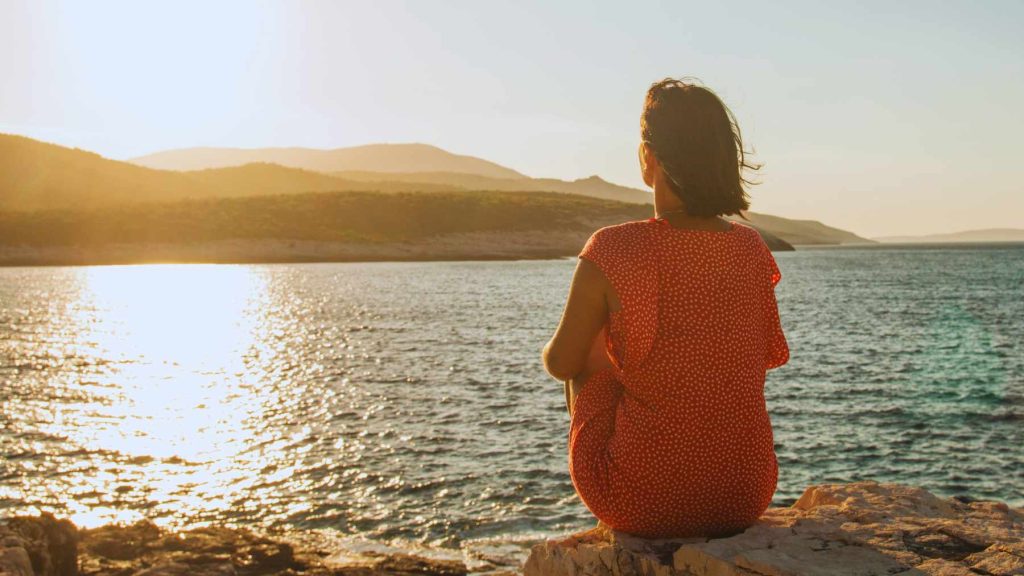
column 170, row 389
column 314, row 396
column 405, row 402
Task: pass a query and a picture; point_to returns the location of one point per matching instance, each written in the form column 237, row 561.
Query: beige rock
column 50, row 545
column 940, row 567
column 858, row 529
column 178, row 569
column 398, row 564
column 795, row 556
column 14, row 561
column 999, row 559
column 45, row 546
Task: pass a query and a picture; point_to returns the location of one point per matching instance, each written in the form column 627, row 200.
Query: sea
column 405, row 404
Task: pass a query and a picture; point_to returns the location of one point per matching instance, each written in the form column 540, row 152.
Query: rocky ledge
column 46, row 546
column 858, row 529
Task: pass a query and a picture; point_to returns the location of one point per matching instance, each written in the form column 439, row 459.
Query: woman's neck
column 665, row 201
column 669, row 207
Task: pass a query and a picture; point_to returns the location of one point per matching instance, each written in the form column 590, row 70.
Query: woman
column 669, row 327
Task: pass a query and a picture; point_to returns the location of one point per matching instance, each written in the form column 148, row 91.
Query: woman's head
column 695, row 140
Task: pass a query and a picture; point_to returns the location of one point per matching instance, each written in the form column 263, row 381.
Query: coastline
column 465, row 246
column 306, row 252
column 856, row 528
column 963, row 245
column 534, row 245
column 45, row 545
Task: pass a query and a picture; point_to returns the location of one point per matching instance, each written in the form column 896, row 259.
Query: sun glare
column 177, row 390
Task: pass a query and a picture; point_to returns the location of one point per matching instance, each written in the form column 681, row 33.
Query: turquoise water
column 406, row 402
column 908, row 366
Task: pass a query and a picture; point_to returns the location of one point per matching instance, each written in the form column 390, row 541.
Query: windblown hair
column 697, row 141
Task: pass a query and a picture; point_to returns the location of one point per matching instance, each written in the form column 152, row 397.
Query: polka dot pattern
column 674, row 439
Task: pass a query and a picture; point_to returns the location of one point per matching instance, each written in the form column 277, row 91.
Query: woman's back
column 675, row 440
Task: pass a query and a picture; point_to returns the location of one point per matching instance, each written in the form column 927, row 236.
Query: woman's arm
column 597, row 360
column 586, row 311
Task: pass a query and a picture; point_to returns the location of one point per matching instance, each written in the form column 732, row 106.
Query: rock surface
column 45, row 546
column 846, row 529
column 861, row 529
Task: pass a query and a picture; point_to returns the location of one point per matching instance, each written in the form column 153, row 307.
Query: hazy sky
column 882, row 118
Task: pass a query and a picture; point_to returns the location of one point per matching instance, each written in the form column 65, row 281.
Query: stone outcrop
column 858, row 529
column 38, row 546
column 45, row 546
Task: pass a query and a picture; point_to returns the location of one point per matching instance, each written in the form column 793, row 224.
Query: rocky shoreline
column 520, row 245
column 860, row 529
column 529, row 245
column 864, row 528
column 47, row 546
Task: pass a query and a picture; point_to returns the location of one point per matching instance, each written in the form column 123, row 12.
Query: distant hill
column 38, row 176
column 986, row 235
column 364, row 168
column 593, row 186
column 35, row 175
column 331, row 226
column 319, row 216
column 262, row 179
column 386, row 158
column 803, row 232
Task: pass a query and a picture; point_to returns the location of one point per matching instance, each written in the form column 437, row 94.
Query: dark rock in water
column 50, row 545
column 864, row 528
column 120, row 543
column 45, row 546
column 774, row 243
column 179, row 569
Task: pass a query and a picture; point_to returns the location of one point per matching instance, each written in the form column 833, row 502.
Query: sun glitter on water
column 175, row 389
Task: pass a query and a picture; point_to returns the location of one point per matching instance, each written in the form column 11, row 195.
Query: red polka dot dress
column 674, row 439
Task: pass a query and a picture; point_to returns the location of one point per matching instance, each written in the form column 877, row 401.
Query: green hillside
column 35, row 175
column 322, row 226
column 56, row 196
column 335, row 216
column 39, row 176
column 593, row 186
column 807, row 232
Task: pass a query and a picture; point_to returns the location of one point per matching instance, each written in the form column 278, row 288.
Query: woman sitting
column 669, row 327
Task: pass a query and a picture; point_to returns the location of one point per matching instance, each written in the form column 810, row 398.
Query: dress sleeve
column 775, row 339
column 773, row 269
column 600, row 250
column 620, row 254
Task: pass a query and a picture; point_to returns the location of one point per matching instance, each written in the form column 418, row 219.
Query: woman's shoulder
column 749, row 232
column 745, row 229
column 616, row 242
column 759, row 251
column 624, row 231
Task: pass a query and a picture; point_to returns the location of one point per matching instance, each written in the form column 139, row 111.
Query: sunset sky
column 882, row 118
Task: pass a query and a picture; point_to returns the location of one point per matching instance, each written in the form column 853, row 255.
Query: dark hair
column 697, row 141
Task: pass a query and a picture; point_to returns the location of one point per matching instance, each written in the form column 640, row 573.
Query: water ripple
column 398, row 401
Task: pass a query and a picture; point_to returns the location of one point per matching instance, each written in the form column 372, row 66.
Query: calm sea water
column 406, row 402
